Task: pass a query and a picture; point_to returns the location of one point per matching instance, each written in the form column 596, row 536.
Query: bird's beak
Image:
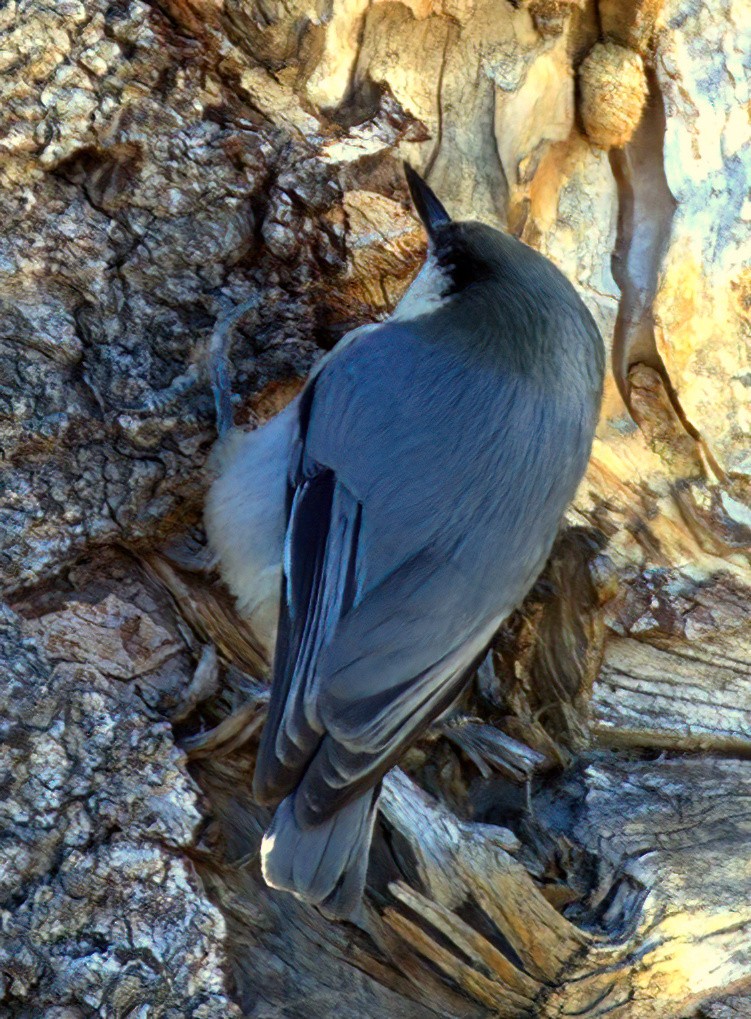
column 428, row 208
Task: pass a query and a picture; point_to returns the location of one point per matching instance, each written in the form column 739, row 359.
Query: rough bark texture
column 580, row 848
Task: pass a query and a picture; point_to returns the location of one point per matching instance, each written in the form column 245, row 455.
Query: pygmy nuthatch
column 383, row 526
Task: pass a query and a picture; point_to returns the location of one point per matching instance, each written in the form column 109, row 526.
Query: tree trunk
column 581, row 847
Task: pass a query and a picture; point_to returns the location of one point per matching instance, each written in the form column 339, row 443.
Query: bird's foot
column 189, row 552
column 234, row 731
column 489, row 749
column 217, row 360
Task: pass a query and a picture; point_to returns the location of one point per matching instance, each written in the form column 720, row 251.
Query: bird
column 379, row 530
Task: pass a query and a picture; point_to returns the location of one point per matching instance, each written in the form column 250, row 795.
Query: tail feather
column 326, row 864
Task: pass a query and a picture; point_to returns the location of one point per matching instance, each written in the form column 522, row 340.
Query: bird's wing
column 319, row 557
column 396, row 662
column 366, row 657
column 353, row 683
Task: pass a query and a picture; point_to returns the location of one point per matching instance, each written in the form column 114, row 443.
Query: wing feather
column 320, row 552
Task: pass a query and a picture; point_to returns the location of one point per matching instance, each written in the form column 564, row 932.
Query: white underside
column 425, row 293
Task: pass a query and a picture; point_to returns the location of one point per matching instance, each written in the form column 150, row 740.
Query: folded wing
column 382, row 616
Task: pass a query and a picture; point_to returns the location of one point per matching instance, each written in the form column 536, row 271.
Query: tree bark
column 580, row 846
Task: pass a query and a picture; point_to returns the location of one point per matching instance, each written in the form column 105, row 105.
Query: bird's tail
column 325, row 864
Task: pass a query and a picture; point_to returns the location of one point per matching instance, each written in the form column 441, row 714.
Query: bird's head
column 467, row 257
column 460, row 253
